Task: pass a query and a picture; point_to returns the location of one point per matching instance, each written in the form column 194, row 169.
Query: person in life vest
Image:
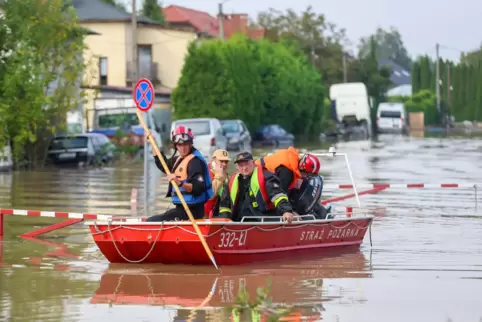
column 294, row 171
column 219, row 177
column 253, row 191
column 190, row 172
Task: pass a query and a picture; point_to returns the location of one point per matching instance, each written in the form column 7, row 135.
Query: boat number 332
column 232, row 239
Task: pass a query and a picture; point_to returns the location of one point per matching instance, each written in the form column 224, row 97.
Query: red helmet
column 310, row 164
column 182, row 134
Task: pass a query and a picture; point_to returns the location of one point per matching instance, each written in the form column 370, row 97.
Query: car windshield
column 390, row 114
column 118, row 120
column 63, row 143
column 231, row 127
column 197, row 127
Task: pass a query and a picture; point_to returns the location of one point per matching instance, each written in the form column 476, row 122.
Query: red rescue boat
column 232, row 243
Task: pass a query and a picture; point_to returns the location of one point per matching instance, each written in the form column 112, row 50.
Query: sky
column 455, row 25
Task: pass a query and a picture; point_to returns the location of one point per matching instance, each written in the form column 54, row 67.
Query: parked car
column 392, row 118
column 85, row 148
column 273, row 135
column 237, row 134
column 208, row 134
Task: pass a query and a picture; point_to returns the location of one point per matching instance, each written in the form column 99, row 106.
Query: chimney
column 239, row 23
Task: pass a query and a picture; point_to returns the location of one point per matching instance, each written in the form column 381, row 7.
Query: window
column 145, row 60
column 63, row 143
column 118, row 120
column 103, row 70
column 390, row 114
column 231, row 126
column 197, row 127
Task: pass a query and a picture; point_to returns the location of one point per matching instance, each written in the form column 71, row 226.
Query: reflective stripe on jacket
column 258, row 195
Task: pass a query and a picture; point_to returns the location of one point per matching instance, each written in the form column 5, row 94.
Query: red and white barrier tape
column 66, row 215
column 402, row 185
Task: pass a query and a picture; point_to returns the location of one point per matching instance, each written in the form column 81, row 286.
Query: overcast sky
column 422, row 23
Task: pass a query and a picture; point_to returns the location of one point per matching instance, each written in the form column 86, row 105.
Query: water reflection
column 297, row 283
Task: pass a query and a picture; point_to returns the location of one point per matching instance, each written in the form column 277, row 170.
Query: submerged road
column 425, row 263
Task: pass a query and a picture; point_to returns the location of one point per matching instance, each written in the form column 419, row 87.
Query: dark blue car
column 273, row 135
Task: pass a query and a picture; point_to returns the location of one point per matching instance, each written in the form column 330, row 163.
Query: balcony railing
column 148, row 71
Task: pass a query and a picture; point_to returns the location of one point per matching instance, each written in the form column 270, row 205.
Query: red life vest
column 257, row 190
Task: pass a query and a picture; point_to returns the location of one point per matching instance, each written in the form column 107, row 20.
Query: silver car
column 239, row 138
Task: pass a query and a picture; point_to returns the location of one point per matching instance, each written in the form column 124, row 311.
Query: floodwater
column 425, row 263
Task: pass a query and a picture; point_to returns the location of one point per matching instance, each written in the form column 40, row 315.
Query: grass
column 249, row 309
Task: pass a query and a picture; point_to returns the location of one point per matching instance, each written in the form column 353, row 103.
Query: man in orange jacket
column 293, row 170
column 219, row 178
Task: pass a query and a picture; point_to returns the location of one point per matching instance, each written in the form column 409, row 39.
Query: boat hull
column 232, row 243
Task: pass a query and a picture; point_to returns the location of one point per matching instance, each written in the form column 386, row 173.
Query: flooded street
column 425, row 263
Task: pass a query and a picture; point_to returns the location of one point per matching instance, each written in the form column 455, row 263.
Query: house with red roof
column 207, row 25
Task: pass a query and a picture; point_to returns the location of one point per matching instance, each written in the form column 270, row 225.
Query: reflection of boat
column 231, row 242
column 297, row 282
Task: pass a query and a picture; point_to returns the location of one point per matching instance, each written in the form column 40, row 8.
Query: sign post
column 144, row 98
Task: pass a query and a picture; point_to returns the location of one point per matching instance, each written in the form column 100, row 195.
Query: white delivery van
column 208, row 134
column 392, row 118
column 351, row 106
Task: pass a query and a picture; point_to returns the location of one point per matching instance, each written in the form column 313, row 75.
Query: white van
column 351, row 105
column 392, row 118
column 208, row 134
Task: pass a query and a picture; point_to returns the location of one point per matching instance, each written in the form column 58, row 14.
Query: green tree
column 321, row 41
column 259, row 82
column 41, row 76
column 473, row 57
column 376, row 79
column 152, row 9
column 465, row 100
column 389, row 46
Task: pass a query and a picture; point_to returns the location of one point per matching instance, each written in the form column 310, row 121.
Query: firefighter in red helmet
column 190, row 171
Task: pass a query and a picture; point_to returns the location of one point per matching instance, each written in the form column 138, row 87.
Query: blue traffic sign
column 144, row 94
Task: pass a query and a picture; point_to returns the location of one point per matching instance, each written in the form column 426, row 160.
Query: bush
column 259, row 82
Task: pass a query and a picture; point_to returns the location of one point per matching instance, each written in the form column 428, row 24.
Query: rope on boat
column 110, row 230
column 120, row 226
column 161, row 229
column 125, row 258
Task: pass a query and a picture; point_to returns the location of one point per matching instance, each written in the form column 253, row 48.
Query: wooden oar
column 164, row 165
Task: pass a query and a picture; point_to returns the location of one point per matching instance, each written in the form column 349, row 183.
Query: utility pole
column 134, row 42
column 221, row 20
column 449, row 89
column 437, row 79
column 344, row 67
column 135, row 77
